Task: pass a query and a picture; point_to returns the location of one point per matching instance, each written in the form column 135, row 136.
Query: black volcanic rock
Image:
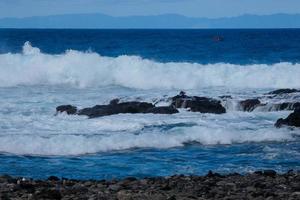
column 69, row 109
column 162, row 110
column 198, row 104
column 53, row 178
column 116, row 108
column 283, row 91
column 292, row 120
column 48, row 194
column 249, row 105
column 269, row 172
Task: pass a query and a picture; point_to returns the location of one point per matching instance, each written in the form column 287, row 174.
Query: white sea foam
column 68, row 135
column 80, row 144
column 87, row 69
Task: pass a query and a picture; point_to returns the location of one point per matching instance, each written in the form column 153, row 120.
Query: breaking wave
column 80, row 144
column 64, row 135
column 88, row 69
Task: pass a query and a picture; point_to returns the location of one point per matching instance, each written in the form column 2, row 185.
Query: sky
column 193, row 8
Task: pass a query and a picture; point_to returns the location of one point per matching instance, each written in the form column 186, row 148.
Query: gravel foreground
column 258, row 185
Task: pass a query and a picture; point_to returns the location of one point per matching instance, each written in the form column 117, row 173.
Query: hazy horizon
column 121, row 8
column 164, row 21
column 154, row 15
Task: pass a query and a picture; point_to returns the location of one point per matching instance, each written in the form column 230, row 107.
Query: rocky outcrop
column 258, row 185
column 115, row 107
column 191, row 103
column 292, row 120
column 197, row 104
column 250, row 104
column 283, row 91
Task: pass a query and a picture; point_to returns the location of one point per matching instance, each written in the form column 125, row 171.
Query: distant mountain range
column 98, row 21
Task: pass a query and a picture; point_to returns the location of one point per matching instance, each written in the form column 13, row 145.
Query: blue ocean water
column 41, row 69
column 238, row 46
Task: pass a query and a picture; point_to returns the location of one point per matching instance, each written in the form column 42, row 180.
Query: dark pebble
column 265, row 184
column 53, row 178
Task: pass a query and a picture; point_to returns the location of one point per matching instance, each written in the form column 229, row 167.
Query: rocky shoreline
column 258, row 185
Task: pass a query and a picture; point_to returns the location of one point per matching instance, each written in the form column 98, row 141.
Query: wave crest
column 88, row 69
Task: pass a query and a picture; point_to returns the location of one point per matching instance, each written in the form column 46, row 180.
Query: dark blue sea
column 42, row 69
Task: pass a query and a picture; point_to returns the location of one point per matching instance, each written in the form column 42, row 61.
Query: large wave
column 88, row 69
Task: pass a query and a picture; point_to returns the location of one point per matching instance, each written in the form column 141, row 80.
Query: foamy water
column 33, row 83
column 64, row 135
column 87, row 69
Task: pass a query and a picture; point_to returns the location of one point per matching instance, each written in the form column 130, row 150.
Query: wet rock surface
column 198, row 104
column 259, row 185
column 286, row 106
column 162, row 110
column 284, row 91
column 284, row 101
column 69, row 109
column 194, row 104
column 115, row 107
column 249, row 105
column 292, row 120
column 277, row 100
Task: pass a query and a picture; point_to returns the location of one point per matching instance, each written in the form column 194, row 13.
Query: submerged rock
column 284, row 91
column 198, row 104
column 292, row 120
column 249, row 105
column 69, row 109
